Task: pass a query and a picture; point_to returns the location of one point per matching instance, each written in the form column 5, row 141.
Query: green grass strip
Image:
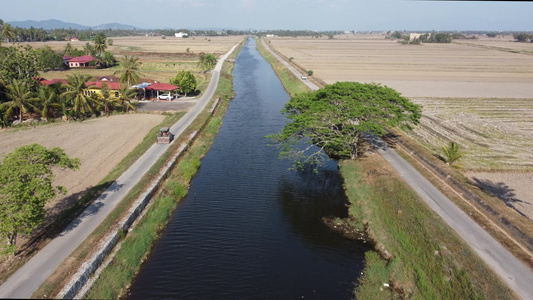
column 426, row 258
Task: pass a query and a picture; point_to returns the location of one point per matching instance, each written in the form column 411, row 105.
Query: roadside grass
column 424, row 258
column 476, row 211
column 292, row 84
column 128, row 259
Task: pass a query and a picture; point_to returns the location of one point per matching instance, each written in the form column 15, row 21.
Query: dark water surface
column 250, row 228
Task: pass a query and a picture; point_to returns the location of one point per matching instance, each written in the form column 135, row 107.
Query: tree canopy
column 186, row 82
column 336, row 117
column 25, row 186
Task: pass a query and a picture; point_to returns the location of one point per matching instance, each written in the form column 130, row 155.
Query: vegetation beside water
column 115, row 279
column 423, row 257
column 292, row 84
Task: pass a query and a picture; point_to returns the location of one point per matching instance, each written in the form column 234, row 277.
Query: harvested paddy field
column 475, row 92
column 427, row 70
column 100, row 144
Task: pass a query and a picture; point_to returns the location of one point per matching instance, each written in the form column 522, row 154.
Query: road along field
column 475, row 92
column 100, row 144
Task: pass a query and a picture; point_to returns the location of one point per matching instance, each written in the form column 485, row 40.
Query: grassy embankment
column 419, row 255
column 115, row 279
column 292, row 84
column 422, row 257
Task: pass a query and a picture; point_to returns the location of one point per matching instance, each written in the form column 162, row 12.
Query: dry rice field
column 475, row 92
column 99, row 143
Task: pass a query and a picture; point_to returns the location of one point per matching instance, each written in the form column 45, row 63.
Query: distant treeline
column 19, row 34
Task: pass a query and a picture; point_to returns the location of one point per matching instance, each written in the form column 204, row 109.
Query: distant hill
column 115, row 26
column 53, row 24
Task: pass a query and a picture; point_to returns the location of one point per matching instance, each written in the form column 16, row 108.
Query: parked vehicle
column 166, row 97
column 304, row 77
column 164, row 136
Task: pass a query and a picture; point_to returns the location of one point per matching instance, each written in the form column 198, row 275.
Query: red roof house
column 80, row 61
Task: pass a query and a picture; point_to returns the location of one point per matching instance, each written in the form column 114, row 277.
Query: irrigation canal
column 250, row 228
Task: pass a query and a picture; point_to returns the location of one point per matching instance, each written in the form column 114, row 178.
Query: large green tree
column 20, row 63
column 25, row 186
column 49, row 59
column 336, row 118
column 186, row 81
column 129, row 70
column 20, row 100
column 75, row 95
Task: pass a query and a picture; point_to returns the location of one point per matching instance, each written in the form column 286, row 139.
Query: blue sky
column 281, row 14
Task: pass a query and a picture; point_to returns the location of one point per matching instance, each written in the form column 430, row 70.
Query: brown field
column 428, row 70
column 99, row 143
column 475, row 92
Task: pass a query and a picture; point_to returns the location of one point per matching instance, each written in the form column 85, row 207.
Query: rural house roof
column 82, row 59
column 110, row 85
column 50, row 82
column 109, row 78
column 162, row 87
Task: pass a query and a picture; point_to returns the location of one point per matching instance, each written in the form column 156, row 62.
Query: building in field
column 181, row 35
column 413, row 36
column 80, row 61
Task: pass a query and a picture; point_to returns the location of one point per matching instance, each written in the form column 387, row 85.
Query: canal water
column 250, row 228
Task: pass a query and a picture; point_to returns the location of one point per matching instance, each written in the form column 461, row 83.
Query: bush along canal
column 250, row 227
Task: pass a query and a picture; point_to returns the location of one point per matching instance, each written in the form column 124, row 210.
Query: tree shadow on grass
column 501, row 190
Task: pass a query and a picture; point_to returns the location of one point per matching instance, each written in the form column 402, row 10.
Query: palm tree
column 68, row 49
column 8, row 32
column 100, row 43
column 88, row 49
column 129, row 70
column 106, row 101
column 21, row 99
column 451, row 153
column 125, row 95
column 75, row 94
column 48, row 100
